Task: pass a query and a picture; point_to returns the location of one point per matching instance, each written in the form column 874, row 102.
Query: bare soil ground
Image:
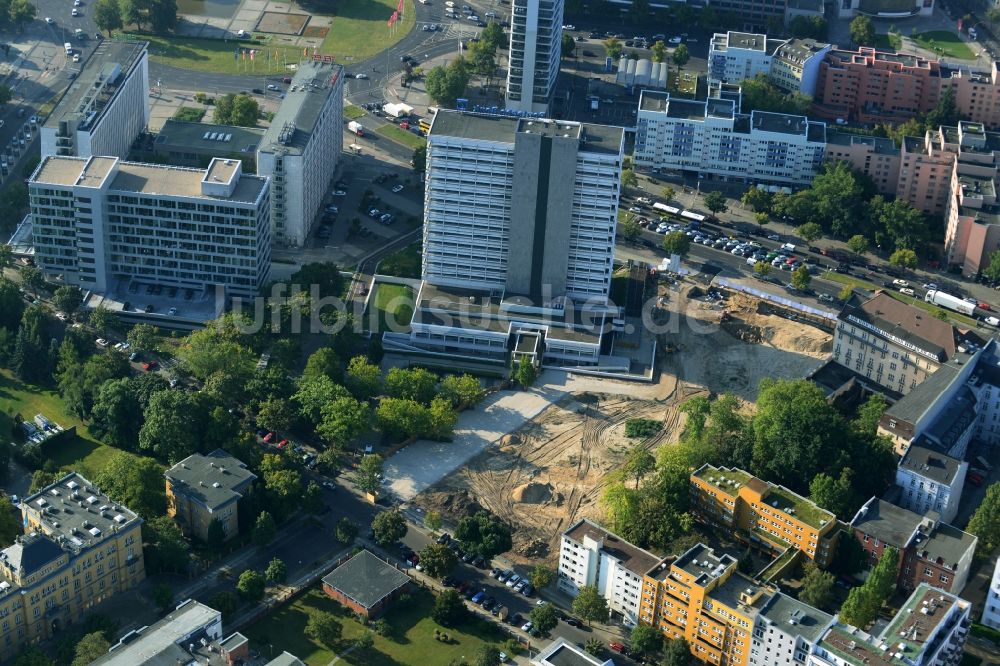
column 550, row 473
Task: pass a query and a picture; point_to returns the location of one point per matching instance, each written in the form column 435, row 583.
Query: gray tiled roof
column 366, row 579
column 930, row 463
column 213, row 480
column 31, row 553
column 796, row 618
column 887, row 522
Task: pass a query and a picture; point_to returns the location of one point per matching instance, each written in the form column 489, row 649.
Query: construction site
column 551, row 472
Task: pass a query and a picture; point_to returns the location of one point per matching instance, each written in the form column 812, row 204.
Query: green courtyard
column 393, row 305
column 944, row 43
column 410, row 640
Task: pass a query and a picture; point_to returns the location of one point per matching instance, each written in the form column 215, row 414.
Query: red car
column 617, row 647
column 283, row 443
column 404, row 125
column 975, row 479
column 984, row 306
column 269, row 436
column 150, row 365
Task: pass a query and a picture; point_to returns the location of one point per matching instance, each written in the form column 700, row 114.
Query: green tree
column 985, row 522
column 67, row 298
column 136, row 482
column 487, row 655
column 276, row 414
column 681, row 55
column 901, row 223
column 343, row 420
column 250, row 585
column 314, row 393
column 676, row 242
column 20, row 12
column 810, row 231
column 216, row 535
column 541, row 576
column 6, row 257
column 108, row 15
column 525, row 374
column 629, row 179
column 416, row 384
column 419, row 159
column 677, row 652
column 368, row 476
column 845, row 293
column 568, row 46
column 167, row 431
column 225, row 602
column 863, row 602
column 758, row 199
column 330, row 461
column 857, row 244
column 638, row 463
column 324, row 627
column 659, row 51
column 402, row 419
column 462, row 390
column 264, row 529
column 164, row 547
column 594, row 646
column 645, row 639
column 162, row 15
column 494, row 35
column 801, row 278
column 484, row 535
column 762, row 268
column 817, row 586
column 613, row 48
column 482, row 59
column 761, row 219
column 992, row 270
column 91, row 647
column 445, row 84
column 33, row 279
column 363, row 378
column 215, row 349
column 142, row 337
column 347, row 531
column 432, row 521
column 438, row 560
column 117, row 416
column 276, row 571
column 442, row 420
column 389, row 527
column 312, row 499
column 163, row 597
column 835, row 495
column 245, row 113
column 715, row 201
column 904, row 258
column 589, row 605
column 449, row 609
column 862, row 31
column 945, row 113
column 544, row 618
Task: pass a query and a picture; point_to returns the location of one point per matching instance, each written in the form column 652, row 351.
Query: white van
column 69, row 48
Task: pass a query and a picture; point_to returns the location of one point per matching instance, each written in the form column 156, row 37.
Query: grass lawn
column 944, row 42
column 394, row 305
column 352, row 112
column 405, row 137
column 359, row 28
column 917, row 302
column 189, row 114
column 402, row 263
column 84, row 454
column 216, row 55
column 411, row 641
column 888, row 42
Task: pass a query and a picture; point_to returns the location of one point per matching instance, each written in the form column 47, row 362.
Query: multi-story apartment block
column 784, row 632
column 972, row 213
column 925, row 170
column 929, row 630
column 734, row 57
column 991, row 606
column 99, row 221
column 80, row 548
column 795, row 65
column 535, row 50
column 590, row 555
column 755, row 15
column 762, row 513
column 930, row 551
column 885, row 8
column 930, row 480
column 890, row 342
column 519, row 238
column 700, row 596
column 206, row 488
column 713, row 137
column 876, row 157
column 301, row 149
column 106, row 106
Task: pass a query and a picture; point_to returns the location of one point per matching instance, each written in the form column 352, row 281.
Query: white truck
column 356, row 127
column 950, row 302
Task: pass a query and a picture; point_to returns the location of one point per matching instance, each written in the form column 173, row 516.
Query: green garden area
column 357, row 32
column 944, row 43
column 393, row 305
column 399, row 135
column 404, row 263
column 410, row 638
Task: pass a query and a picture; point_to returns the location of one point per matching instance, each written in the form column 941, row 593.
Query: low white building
column 930, row 480
column 105, row 107
column 784, row 632
column 591, row 555
column 734, row 57
column 712, row 137
column 301, row 150
column 561, row 652
column 991, row 607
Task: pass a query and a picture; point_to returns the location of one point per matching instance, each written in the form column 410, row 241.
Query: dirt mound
column 452, row 505
column 532, row 549
column 532, row 493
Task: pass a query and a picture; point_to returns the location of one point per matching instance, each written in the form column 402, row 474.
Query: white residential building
column 105, row 107
column 795, row 65
column 991, row 606
column 929, row 630
column 734, row 57
column 519, row 238
column 930, row 480
column 712, row 137
column 301, row 150
column 784, row 632
column 99, row 220
column 590, row 555
column 535, row 50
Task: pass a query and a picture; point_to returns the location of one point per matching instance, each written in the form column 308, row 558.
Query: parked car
column 512, row 581
column 101, row 342
column 443, row 538
column 504, row 575
column 397, row 188
column 478, row 597
column 906, row 291
column 527, row 626
column 616, row 646
column 150, row 365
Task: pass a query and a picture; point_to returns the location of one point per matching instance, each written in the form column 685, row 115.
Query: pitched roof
column 930, row 463
column 366, row 579
column 906, row 323
column 887, row 522
column 630, row 556
column 31, row 553
column 214, row 479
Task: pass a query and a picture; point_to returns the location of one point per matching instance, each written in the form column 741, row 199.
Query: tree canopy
column 484, row 535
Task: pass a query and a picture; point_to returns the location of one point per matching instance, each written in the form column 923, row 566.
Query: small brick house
column 366, row 584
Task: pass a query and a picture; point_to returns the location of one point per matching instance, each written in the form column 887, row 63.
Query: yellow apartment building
column 762, row 513
column 700, row 596
column 203, row 488
column 80, row 548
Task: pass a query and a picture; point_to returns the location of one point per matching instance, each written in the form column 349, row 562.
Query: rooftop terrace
column 723, row 478
column 798, row 507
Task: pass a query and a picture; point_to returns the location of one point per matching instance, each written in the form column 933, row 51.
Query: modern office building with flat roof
column 736, row 56
column 301, row 150
column 712, row 137
column 105, row 107
column 184, row 143
column 101, row 223
column 535, row 52
column 518, row 239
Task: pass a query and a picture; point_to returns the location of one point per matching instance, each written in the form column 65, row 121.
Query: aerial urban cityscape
column 481, row 332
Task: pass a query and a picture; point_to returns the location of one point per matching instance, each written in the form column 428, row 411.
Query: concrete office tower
column 106, row 106
column 301, row 149
column 535, row 47
column 519, row 225
column 100, row 223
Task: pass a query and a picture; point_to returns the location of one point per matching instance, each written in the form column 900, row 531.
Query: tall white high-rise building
column 519, row 234
column 99, row 220
column 535, row 47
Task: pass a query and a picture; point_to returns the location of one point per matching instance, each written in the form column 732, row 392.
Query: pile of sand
column 532, row 493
